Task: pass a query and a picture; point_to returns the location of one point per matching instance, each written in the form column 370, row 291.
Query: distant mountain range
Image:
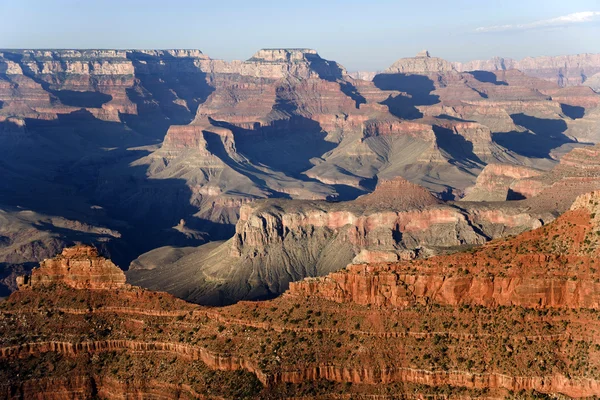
column 571, row 70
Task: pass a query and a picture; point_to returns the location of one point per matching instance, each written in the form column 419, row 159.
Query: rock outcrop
column 398, row 194
column 278, row 242
column 577, row 173
column 494, row 182
column 79, row 267
column 25, row 238
column 517, row 317
column 422, row 64
column 559, row 271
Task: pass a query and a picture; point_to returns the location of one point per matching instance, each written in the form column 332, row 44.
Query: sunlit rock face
column 278, row 242
column 79, row 267
column 461, row 324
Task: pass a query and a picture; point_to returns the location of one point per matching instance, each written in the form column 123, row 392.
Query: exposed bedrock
column 152, row 148
column 278, row 242
column 559, row 271
column 365, row 334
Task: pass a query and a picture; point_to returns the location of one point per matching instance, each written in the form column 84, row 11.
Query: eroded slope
column 514, row 319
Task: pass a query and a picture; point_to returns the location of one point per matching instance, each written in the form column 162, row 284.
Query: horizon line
column 3, row 49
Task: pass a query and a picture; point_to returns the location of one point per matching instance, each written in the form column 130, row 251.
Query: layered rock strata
column 391, row 330
column 79, row 267
column 563, row 70
column 560, row 271
column 278, row 242
column 112, row 136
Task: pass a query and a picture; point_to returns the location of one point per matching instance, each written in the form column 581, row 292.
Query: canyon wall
column 516, row 317
column 169, row 145
column 278, row 242
column 564, row 70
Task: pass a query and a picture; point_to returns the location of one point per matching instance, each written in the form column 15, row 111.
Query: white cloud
column 570, row 19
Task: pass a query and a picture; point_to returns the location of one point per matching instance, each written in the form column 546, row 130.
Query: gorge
column 94, row 141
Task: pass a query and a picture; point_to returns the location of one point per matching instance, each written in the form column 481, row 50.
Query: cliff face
column 79, row 267
column 278, row 242
column 69, row 121
column 113, row 137
column 563, row 70
column 517, row 317
column 494, row 182
column 559, row 271
column 575, row 174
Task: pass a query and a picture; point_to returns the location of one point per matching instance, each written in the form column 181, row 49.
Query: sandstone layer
column 516, row 318
column 278, row 242
column 79, row 267
column 560, row 271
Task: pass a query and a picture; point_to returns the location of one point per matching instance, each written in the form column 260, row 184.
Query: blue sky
column 361, row 35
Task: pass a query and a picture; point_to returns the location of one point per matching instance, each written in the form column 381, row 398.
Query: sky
column 361, row 35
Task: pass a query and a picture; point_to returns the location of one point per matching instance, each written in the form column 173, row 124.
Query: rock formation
column 515, row 318
column 494, row 182
column 278, row 242
column 577, row 173
column 79, row 267
column 423, row 63
column 562, row 70
column 25, row 237
column 489, row 276
column 111, row 137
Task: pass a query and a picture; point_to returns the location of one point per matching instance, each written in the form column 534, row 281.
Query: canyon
column 178, row 226
column 277, row 242
column 95, row 141
column 514, row 318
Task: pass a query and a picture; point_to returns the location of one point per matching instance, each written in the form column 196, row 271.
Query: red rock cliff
column 79, row 267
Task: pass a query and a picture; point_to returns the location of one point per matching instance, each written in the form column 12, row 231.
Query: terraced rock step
column 278, row 242
column 390, row 329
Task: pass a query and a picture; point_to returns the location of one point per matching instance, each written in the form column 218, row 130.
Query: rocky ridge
column 493, row 184
column 494, row 278
column 569, row 70
column 576, row 173
column 278, row 242
column 372, row 333
column 79, row 267
column 26, row 236
column 564, row 70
